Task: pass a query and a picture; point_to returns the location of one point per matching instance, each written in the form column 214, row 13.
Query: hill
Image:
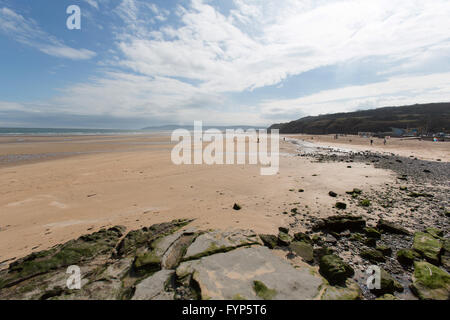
column 433, row 117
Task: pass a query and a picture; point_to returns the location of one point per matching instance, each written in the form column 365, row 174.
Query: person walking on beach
column 384, row 141
column 371, row 141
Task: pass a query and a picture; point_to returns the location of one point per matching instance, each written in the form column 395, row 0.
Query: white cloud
column 187, row 71
column 92, row 3
column 395, row 91
column 262, row 43
column 28, row 32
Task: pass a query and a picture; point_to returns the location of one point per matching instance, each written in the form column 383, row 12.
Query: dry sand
column 68, row 186
column 406, row 147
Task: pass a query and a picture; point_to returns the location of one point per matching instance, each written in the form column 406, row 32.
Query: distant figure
column 371, row 141
column 384, row 141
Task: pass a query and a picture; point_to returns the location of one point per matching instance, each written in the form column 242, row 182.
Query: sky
column 137, row 63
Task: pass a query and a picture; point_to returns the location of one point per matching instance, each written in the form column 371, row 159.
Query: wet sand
column 92, row 182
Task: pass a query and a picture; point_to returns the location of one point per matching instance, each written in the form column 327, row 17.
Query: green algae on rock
column 430, row 282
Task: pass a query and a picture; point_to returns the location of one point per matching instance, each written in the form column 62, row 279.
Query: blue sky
column 136, row 63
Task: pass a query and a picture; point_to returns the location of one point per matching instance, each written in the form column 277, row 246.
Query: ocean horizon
column 17, row 131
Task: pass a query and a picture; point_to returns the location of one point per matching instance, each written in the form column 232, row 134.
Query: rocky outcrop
column 341, row 223
column 430, row 282
column 168, row 261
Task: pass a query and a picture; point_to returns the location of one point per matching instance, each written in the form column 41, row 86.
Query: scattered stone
column 427, row 246
column 334, row 269
column 330, row 239
column 284, row 239
column 283, row 229
column 237, row 207
column 407, row 257
column 372, row 233
column 417, row 195
column 391, row 227
column 269, row 240
column 354, row 191
column 365, row 203
column 346, row 233
column 372, row 255
column 341, row 223
column 370, row 242
column 430, row 282
column 385, row 250
column 341, row 205
column 301, row 236
column 356, row 237
column 332, row 194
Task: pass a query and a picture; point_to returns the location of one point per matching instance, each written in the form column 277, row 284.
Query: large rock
column 373, row 255
column 220, row 241
column 284, row 239
column 427, row 246
column 153, row 287
column 430, row 282
column 407, row 257
column 250, row 273
column 334, row 269
column 341, row 223
column 391, row 227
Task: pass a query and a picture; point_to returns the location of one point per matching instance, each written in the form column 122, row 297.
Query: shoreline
column 425, row 150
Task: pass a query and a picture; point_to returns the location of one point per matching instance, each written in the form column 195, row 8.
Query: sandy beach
column 405, row 147
column 57, row 188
